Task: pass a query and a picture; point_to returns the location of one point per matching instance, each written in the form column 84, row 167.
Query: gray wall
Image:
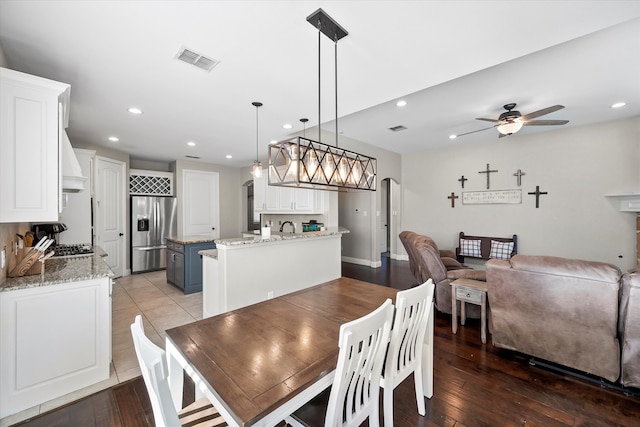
column 576, row 166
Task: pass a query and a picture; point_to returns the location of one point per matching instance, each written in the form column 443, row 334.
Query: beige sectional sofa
column 580, row 314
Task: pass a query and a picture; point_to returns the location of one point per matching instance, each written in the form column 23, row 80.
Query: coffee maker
column 50, row 230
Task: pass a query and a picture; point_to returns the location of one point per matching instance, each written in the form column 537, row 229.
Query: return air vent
column 196, row 59
column 397, row 128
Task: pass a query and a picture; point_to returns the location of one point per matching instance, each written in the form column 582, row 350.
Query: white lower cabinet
column 54, row 340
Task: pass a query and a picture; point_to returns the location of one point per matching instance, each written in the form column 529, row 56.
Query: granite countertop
column 210, row 253
column 63, row 270
column 276, row 237
column 192, row 238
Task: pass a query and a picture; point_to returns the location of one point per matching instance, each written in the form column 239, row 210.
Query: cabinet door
column 259, row 193
column 286, row 200
column 201, row 203
column 29, row 141
column 272, row 202
column 171, row 269
column 193, row 266
column 303, row 199
column 178, row 265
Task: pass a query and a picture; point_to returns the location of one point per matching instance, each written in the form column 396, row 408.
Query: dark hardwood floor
column 475, row 385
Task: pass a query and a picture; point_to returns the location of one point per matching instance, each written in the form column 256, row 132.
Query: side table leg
column 463, row 315
column 454, row 310
column 483, row 318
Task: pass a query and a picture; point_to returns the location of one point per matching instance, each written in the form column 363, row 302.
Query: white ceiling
column 452, row 61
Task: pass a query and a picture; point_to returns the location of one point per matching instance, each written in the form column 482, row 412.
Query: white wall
column 576, row 166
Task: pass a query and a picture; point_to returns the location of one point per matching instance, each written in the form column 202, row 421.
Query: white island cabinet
column 244, row 271
column 55, row 333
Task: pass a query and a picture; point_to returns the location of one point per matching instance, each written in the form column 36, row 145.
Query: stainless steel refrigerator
column 153, row 219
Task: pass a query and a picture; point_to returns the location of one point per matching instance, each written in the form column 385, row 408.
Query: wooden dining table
column 259, row 363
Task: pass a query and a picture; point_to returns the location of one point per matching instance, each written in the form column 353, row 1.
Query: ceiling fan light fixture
column 510, row 128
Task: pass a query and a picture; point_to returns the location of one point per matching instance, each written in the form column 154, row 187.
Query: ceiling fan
column 511, row 121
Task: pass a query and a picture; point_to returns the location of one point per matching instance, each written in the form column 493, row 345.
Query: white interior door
column 110, row 212
column 201, row 204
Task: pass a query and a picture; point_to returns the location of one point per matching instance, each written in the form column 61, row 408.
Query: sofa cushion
column 469, row 247
column 501, row 250
column 577, row 269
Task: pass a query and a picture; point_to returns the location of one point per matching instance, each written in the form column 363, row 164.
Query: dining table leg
column 427, row 357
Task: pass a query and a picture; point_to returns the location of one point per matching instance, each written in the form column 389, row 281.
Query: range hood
column 72, row 179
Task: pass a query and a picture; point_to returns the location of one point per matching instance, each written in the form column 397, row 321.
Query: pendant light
column 301, row 162
column 257, row 166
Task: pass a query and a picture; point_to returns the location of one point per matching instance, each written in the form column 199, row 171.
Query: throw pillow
column 470, row 247
column 501, row 250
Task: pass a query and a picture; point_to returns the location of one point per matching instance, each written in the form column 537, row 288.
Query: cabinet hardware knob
column 121, row 234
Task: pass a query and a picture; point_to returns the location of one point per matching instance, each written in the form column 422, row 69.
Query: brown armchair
column 426, row 261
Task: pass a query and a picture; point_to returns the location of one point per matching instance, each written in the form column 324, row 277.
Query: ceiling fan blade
column 546, row 122
column 502, row 135
column 474, row 131
column 542, row 112
column 488, row 120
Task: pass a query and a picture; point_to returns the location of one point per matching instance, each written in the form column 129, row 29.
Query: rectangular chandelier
column 301, row 162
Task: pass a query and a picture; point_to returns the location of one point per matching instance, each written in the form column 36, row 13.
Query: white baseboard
column 360, row 261
column 400, row 257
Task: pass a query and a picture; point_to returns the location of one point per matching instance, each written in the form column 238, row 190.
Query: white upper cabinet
column 32, row 117
column 274, row 199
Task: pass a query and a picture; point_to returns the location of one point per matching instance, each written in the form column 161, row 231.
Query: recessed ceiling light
column 114, row 139
column 134, row 110
column 191, row 144
column 287, row 126
column 618, row 105
column 453, row 136
column 229, row 156
column 401, row 103
column 273, row 141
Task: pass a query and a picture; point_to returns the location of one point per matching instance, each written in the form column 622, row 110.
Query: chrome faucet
column 288, row 222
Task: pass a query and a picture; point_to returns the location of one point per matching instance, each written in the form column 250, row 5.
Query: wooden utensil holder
column 27, row 265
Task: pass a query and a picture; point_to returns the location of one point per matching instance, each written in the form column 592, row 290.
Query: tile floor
column 162, row 306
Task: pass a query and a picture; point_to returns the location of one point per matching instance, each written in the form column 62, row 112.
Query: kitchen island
column 55, row 333
column 184, row 264
column 244, row 271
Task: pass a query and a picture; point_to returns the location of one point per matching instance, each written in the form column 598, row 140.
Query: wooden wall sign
column 511, row 197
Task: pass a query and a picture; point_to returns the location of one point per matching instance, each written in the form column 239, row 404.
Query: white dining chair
column 404, row 356
column 355, row 392
column 153, row 364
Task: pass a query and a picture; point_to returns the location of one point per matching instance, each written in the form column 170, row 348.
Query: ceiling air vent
column 196, row 59
column 192, row 157
column 397, row 128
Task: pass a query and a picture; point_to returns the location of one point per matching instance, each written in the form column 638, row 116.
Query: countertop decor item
column 303, row 163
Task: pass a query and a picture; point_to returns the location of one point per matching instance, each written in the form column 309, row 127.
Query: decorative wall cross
column 453, row 198
column 488, row 171
column 519, row 174
column 537, row 193
column 462, row 180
